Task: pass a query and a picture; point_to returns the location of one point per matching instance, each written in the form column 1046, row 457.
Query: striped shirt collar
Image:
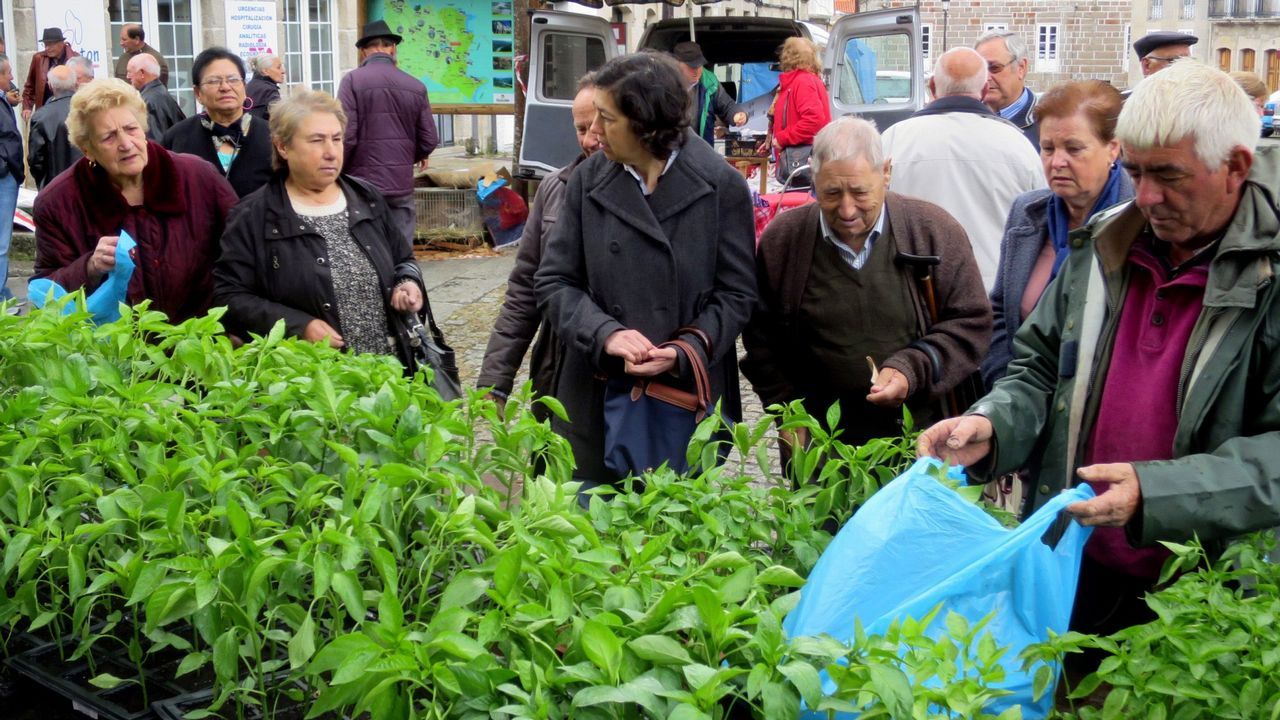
column 851, row 258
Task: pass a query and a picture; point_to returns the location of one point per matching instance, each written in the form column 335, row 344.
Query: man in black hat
column 389, row 122
column 56, row 52
column 1156, row 50
column 707, row 97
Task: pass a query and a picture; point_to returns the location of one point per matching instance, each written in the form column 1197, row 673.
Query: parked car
column 873, row 67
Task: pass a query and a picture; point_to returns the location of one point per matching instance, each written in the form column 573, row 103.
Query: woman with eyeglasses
column 237, row 143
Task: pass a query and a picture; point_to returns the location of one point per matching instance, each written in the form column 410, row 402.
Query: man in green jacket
column 707, row 97
column 1151, row 366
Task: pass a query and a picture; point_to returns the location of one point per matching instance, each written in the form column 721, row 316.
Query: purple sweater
column 389, row 124
column 1138, row 416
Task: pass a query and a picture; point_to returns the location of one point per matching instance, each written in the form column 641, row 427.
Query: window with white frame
column 1047, row 35
column 1156, row 10
column 309, row 44
column 926, row 45
column 1188, row 9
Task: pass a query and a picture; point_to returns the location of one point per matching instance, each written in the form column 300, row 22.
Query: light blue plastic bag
column 917, row 544
column 103, row 303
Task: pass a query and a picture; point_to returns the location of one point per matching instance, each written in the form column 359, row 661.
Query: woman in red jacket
column 802, row 106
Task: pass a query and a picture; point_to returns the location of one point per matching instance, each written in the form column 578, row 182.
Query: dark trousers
column 1107, row 601
column 402, row 212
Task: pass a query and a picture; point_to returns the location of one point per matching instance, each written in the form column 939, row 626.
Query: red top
column 803, row 108
column 1138, row 416
column 177, row 227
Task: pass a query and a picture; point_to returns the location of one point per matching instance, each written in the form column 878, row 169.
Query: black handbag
column 421, row 344
column 793, row 158
column 648, row 422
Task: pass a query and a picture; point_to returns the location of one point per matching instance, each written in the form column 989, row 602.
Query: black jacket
column 263, row 91
column 163, row 111
column 249, row 171
column 49, row 150
column 273, row 267
column 11, row 147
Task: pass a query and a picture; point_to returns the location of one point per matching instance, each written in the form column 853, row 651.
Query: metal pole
column 945, row 12
column 693, row 34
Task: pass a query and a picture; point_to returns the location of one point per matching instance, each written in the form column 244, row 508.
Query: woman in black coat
column 234, row 142
column 656, row 234
column 312, row 247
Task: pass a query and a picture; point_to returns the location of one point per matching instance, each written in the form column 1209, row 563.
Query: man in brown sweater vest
column 838, row 284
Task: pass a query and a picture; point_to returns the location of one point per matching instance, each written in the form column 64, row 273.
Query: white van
column 864, row 54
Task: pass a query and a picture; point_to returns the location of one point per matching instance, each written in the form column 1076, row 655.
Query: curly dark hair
column 209, row 55
column 650, row 91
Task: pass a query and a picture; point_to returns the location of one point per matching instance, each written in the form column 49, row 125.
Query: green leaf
column 303, row 643
column 685, row 711
column 192, row 662
column 351, row 593
column 602, row 647
column 226, row 657
column 239, row 519
column 780, row 576
column 148, row 580
column 458, row 645
column 893, row 687
column 465, row 588
column 805, row 679
column 507, row 571
column 660, row 650
column 106, row 681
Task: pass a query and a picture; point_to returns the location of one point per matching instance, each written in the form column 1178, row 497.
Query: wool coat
column 252, row 167
column 275, row 267
column 945, row 353
column 177, row 227
column 620, row 260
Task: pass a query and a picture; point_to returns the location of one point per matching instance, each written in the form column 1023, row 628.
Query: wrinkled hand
column 960, row 441
column 407, row 297
column 660, row 360
column 630, row 345
column 739, row 119
column 794, row 439
column 103, row 259
column 1116, row 505
column 421, row 165
column 320, row 331
column 890, row 389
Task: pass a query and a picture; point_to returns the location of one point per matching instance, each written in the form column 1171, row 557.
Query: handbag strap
column 701, row 380
column 698, row 333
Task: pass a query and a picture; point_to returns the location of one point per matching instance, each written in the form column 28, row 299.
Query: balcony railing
column 1157, row 10
column 1244, row 9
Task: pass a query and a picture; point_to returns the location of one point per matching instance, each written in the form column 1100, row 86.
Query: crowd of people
column 1075, row 286
column 1065, row 287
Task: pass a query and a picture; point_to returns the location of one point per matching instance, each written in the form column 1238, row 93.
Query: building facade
column 1244, row 35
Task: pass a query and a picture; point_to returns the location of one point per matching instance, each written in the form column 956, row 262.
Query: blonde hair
column 1189, row 99
column 1250, row 83
column 287, row 116
column 93, row 98
column 797, row 52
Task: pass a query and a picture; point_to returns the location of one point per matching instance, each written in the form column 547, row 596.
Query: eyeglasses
column 996, row 68
column 1158, row 58
column 213, row 82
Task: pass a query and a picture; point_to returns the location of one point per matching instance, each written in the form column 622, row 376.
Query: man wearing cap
column 707, row 97
column 389, row 122
column 56, row 52
column 1158, row 49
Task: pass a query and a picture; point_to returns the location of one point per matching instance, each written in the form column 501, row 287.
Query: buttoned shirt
column 852, row 258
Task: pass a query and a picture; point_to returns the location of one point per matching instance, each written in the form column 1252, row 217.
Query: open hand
column 960, row 440
column 1116, row 504
column 890, row 389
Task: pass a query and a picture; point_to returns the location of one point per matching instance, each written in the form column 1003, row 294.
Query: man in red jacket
column 56, row 52
column 389, row 123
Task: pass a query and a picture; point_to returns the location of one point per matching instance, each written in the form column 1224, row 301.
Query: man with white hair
column 49, row 149
column 841, row 283
column 1151, row 367
column 163, row 111
column 83, row 70
column 1007, row 93
column 960, row 155
column 264, row 88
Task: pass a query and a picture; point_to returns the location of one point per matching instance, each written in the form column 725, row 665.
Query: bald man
column 162, row 110
column 49, row 149
column 962, row 156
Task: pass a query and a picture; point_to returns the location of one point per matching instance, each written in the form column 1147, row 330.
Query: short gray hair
column 146, row 63
column 287, row 115
column 1013, row 42
column 261, row 62
column 81, row 65
column 847, row 138
column 1190, row 99
column 62, row 80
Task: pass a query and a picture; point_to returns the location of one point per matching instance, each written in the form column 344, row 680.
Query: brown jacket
column 960, row 337
column 36, row 90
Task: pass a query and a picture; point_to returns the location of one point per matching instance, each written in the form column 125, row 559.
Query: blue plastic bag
column 917, row 544
column 103, row 303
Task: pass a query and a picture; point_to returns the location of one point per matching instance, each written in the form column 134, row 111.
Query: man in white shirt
column 960, row 155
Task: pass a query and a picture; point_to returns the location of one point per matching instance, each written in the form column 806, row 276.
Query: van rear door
column 562, row 48
column 875, row 65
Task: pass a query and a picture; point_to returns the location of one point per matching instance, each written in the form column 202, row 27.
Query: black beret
column 1145, row 44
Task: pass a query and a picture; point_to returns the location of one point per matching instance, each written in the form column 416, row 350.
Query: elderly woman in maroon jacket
column 174, row 206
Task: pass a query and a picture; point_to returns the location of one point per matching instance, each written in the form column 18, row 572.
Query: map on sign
column 460, row 49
